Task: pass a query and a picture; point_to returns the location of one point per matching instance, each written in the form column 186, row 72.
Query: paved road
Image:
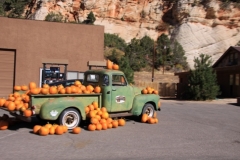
column 186, row 130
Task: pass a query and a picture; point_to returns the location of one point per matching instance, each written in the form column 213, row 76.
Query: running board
column 123, row 114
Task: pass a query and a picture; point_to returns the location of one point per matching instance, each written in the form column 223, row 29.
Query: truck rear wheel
column 70, row 117
column 148, row 109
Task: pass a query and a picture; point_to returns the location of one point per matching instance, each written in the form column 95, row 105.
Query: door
column 6, row 72
column 122, row 94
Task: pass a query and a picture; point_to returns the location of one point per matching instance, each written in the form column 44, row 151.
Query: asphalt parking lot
column 186, row 130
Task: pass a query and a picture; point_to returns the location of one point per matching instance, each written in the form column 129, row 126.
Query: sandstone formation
column 200, row 26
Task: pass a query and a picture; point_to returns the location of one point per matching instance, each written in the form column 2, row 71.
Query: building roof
column 237, row 48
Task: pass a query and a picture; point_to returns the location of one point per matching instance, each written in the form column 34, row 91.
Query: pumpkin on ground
column 76, row 130
column 43, row 131
column 36, row 128
column 144, row 118
column 3, row 124
column 121, row 122
column 59, row 130
column 27, row 113
column 91, row 127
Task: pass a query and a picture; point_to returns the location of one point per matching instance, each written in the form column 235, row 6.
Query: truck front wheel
column 148, row 109
column 70, row 118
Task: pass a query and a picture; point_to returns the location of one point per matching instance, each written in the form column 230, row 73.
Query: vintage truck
column 118, row 96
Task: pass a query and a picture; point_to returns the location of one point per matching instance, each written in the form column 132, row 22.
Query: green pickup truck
column 117, row 95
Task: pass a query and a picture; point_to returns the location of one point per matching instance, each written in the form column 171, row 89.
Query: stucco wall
column 37, row 40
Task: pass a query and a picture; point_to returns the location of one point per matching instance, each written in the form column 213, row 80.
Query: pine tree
column 203, row 80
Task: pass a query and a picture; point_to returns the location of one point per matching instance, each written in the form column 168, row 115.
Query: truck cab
column 117, row 94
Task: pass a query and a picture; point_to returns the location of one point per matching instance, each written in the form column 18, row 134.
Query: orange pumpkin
column 65, row 128
column 115, row 67
column 90, row 88
column 68, row 90
column 59, row 130
column 17, row 88
column 151, row 120
column 35, row 91
column 77, row 83
column 27, row 113
column 115, row 123
column 154, row 114
column 121, row 122
column 155, row 92
column 105, row 115
column 36, row 128
column 156, row 120
column 87, row 109
column 144, row 118
column 99, row 126
column 62, row 91
column 45, row 86
column 3, row 124
column 11, row 106
column 109, row 64
column 103, row 121
column 53, row 90
column 43, row 131
column 91, row 107
column 95, row 104
column 24, row 87
column 92, row 114
column 97, row 89
column 91, row 127
column 32, row 85
column 144, row 91
column 48, row 125
column 109, row 125
column 109, row 120
column 94, row 120
column 52, row 130
column 104, row 126
column 45, row 91
column 104, row 109
column 2, row 101
column 76, row 130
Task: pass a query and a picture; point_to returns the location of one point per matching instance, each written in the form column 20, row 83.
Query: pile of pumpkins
column 149, row 90
column 111, row 65
column 99, row 118
column 150, row 120
column 51, row 129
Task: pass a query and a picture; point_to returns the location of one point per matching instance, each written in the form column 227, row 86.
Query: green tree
column 114, row 41
column 163, row 51
column 202, row 80
column 178, row 58
column 13, row 8
column 54, row 17
column 90, row 18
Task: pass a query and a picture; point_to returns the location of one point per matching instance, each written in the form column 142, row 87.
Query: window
column 237, row 80
column 118, row 80
column 231, row 80
column 105, row 80
column 92, row 78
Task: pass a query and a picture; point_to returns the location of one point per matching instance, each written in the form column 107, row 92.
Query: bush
column 54, row 17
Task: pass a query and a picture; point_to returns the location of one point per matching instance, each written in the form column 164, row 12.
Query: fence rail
column 164, row 89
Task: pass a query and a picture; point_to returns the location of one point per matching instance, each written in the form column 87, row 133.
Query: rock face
column 200, row 26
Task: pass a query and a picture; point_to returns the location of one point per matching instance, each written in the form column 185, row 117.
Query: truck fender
column 52, row 109
column 140, row 100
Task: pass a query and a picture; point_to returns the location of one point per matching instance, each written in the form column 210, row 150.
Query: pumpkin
column 55, row 126
column 144, row 91
column 62, row 91
column 156, row 120
column 65, row 128
column 59, row 87
column 121, row 122
column 26, row 105
column 99, row 126
column 99, row 113
column 92, row 114
column 91, row 127
column 109, row 125
column 11, row 98
column 144, row 118
column 6, row 103
column 11, row 106
column 32, row 85
column 103, row 121
column 90, row 88
column 3, row 124
column 115, row 123
column 59, row 130
column 95, row 104
column 45, row 91
column 35, row 91
column 77, row 83
column 94, row 120
column 2, row 101
column 18, row 106
column 105, row 115
column 24, row 87
column 36, row 128
column 151, row 120
column 109, row 120
column 154, row 114
column 86, row 91
column 87, row 109
column 83, row 88
column 48, row 125
column 68, row 90
column 22, row 109
column 155, row 92
column 104, row 126
column 91, row 107
column 17, row 88
column 52, row 130
column 109, row 64
column 76, row 130
column 43, row 131
column 27, row 113
column 103, row 109
column 97, row 89
column 45, row 86
column 98, row 117
column 115, row 67
column 16, row 95
column 74, row 89
column 53, row 90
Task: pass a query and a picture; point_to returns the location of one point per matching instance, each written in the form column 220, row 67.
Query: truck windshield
column 92, row 78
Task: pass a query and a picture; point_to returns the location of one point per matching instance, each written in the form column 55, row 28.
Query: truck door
column 121, row 94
